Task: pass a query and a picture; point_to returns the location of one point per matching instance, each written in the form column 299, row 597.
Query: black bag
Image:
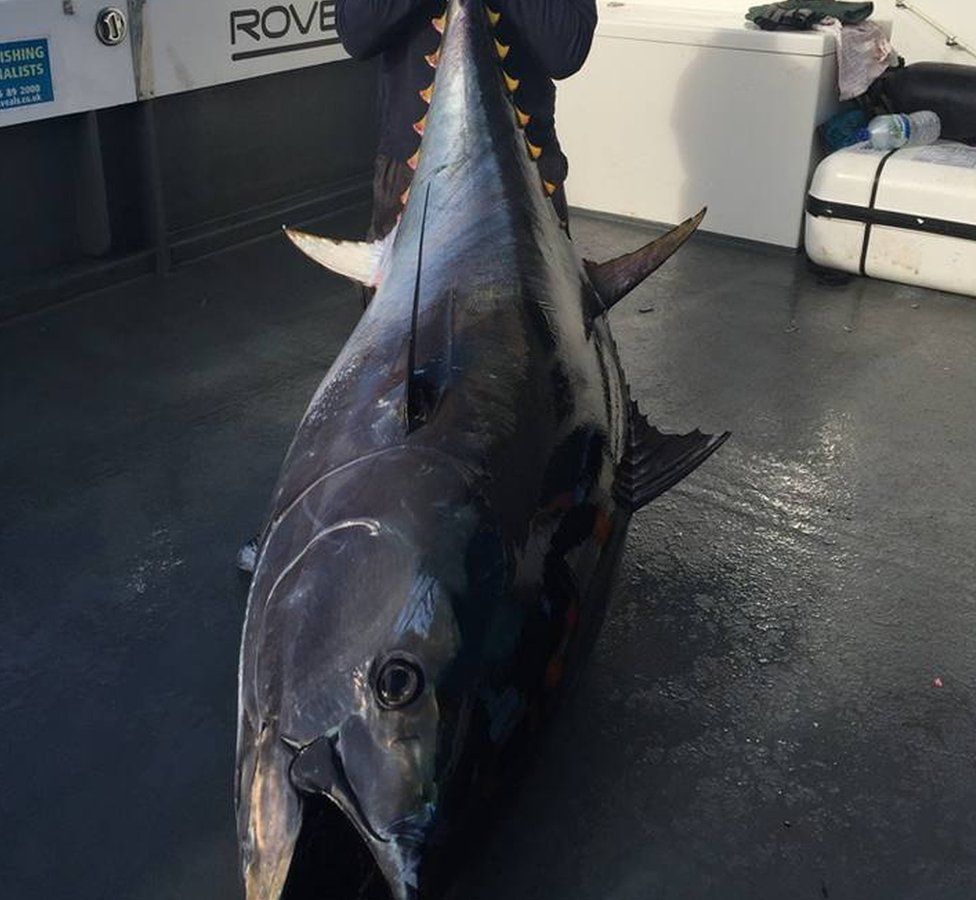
column 944, row 88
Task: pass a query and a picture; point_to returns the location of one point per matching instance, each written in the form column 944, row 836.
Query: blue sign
column 25, row 74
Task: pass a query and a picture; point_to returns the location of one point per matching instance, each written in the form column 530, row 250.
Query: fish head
column 360, row 669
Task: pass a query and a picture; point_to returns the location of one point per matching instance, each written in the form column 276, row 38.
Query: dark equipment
column 944, row 88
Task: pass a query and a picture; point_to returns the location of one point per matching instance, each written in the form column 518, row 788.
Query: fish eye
column 399, row 682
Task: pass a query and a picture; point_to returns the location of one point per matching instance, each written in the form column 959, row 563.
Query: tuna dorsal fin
column 655, row 462
column 355, row 260
column 614, row 280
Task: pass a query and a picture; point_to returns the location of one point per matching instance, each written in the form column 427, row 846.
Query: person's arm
column 367, row 27
column 558, row 33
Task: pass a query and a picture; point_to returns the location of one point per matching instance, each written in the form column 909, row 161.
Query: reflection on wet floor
column 781, row 704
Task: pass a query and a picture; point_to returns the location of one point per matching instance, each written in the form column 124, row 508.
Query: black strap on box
column 871, row 208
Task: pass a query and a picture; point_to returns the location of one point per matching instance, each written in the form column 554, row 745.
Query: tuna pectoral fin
column 655, row 462
column 357, row 261
column 247, row 556
column 614, row 280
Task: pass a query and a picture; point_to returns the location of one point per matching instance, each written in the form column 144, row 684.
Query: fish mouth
column 308, row 837
column 332, row 860
column 337, row 845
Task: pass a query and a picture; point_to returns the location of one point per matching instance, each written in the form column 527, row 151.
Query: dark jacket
column 548, row 39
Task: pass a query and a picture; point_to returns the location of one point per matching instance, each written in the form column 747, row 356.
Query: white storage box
column 907, row 215
column 680, row 107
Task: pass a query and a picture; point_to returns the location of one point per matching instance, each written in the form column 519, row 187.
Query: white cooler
column 681, row 107
column 907, row 215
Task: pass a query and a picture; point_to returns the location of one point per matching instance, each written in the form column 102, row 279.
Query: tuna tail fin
column 356, row 260
column 655, row 462
column 615, row 279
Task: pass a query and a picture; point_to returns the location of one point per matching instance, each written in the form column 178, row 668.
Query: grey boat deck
column 762, row 717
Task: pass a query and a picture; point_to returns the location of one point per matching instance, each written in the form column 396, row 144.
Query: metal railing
column 951, row 39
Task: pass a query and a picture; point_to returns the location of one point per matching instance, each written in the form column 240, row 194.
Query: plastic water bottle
column 892, row 132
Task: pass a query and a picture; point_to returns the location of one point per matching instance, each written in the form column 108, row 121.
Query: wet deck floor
column 761, row 718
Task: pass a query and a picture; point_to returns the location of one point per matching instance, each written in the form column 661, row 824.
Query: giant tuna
column 449, row 517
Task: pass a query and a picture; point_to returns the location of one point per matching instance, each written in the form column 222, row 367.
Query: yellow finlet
column 534, row 152
column 493, row 17
column 501, row 49
column 420, row 126
column 427, row 94
column 511, row 83
column 405, row 196
column 523, row 118
column 433, row 59
column 439, row 23
column 414, row 161
column 550, row 187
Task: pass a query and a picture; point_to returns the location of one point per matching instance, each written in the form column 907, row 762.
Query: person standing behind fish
column 537, row 40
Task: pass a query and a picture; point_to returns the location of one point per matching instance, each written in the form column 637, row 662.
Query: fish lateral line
column 418, row 406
